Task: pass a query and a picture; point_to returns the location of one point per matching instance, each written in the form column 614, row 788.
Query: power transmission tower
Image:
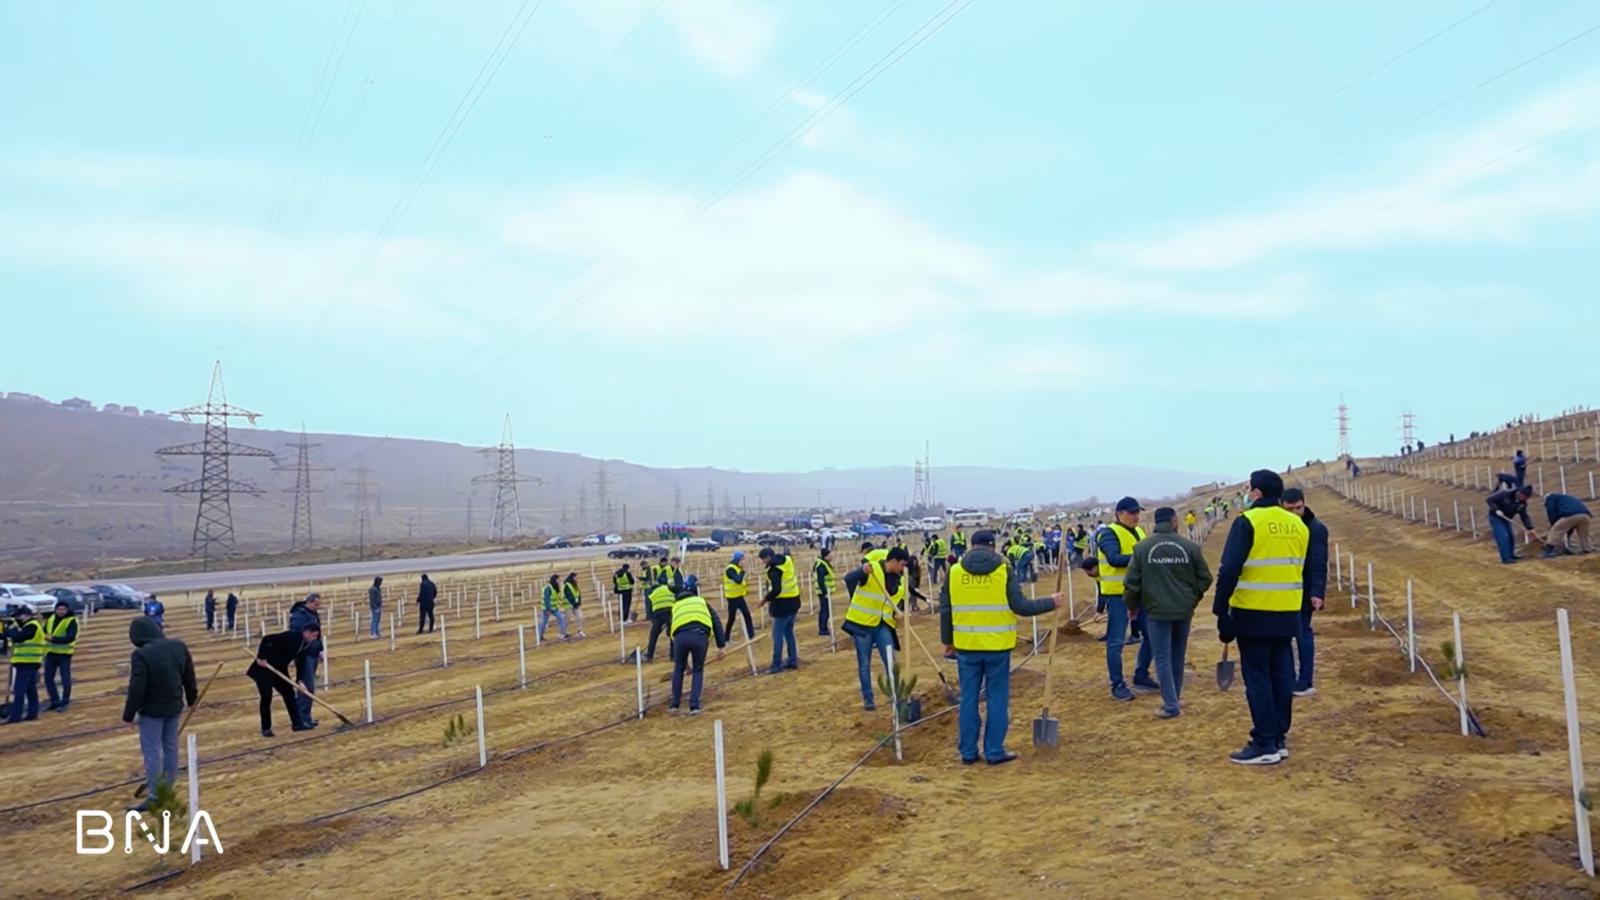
column 927, row 473
column 583, row 506
column 213, row 522
column 1408, row 428
column 300, row 535
column 507, row 521
column 919, row 486
column 363, row 486
column 711, row 504
column 602, row 489
column 1344, row 428
column 677, row 500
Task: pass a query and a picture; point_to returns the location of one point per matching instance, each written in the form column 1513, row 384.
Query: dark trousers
column 738, row 606
column 688, row 646
column 424, row 617
column 55, row 663
column 1306, row 651
column 211, row 618
column 627, row 604
column 265, row 686
column 659, row 622
column 24, row 692
column 824, row 612
column 230, row 618
column 1268, row 668
column 305, row 672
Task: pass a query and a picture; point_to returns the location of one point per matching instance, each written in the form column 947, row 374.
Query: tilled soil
column 1382, row 795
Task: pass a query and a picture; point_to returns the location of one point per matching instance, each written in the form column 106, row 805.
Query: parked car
column 747, row 537
column 556, row 543
column 77, row 598
column 592, row 540
column 15, row 595
column 612, row 539
column 119, row 596
column 703, row 544
column 656, row 549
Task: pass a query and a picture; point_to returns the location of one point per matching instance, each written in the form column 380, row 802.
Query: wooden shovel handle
column 199, row 698
column 300, row 689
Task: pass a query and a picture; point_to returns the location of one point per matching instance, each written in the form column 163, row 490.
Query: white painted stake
column 622, row 640
column 327, row 658
column 722, row 797
column 444, row 644
column 1411, row 626
column 638, row 672
column 1338, row 574
column 394, row 626
column 1563, row 471
column 894, row 707
column 1457, row 505
column 1372, row 601
column 194, row 789
column 1574, row 746
column 1472, row 513
column 1461, row 677
column 497, row 609
column 366, row 676
column 477, row 622
column 483, row 741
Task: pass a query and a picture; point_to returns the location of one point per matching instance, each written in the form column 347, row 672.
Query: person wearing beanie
column 1260, row 583
column 735, row 591
column 160, row 683
column 1316, row 587
column 979, row 605
column 783, row 601
column 375, row 604
column 822, row 578
column 1165, row 582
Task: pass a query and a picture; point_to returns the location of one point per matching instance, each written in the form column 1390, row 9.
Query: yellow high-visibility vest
column 980, row 616
column 689, row 609
column 789, row 586
column 55, row 628
column 1271, row 578
column 1111, row 576
column 660, row 599
column 29, row 650
column 623, row 582
column 733, row 590
column 824, row 575
column 871, row 603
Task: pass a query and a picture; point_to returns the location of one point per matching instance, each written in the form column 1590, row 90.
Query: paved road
column 199, row 581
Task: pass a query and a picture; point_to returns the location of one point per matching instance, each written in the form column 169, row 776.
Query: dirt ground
column 1382, row 796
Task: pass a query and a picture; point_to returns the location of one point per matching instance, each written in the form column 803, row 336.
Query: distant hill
column 80, row 485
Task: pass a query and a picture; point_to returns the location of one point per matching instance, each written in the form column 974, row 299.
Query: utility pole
column 213, row 521
column 677, row 500
column 583, row 506
column 300, row 535
column 363, row 486
column 919, row 485
column 507, row 522
column 1344, row 428
column 602, row 488
column 711, row 503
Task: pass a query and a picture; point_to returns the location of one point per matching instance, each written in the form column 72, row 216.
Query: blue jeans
column 306, row 674
column 54, row 664
column 880, row 638
column 1169, row 644
column 1116, row 636
column 1268, row 668
column 1141, row 662
column 783, row 636
column 561, row 620
column 377, row 618
column 988, row 671
column 24, row 692
column 158, row 741
column 1305, row 645
column 1503, row 539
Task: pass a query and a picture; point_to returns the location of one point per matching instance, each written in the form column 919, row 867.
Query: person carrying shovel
column 273, row 656
column 978, row 608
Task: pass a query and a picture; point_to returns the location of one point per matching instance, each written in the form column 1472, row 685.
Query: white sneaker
column 1308, row 692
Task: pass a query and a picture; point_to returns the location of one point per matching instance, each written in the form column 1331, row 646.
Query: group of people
column 40, row 646
column 1569, row 516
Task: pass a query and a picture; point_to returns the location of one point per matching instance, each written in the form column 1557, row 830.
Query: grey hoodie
column 982, row 561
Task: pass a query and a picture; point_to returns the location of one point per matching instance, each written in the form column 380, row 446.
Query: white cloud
column 1492, row 184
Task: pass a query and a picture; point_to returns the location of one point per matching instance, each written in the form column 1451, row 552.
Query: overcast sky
column 1052, row 233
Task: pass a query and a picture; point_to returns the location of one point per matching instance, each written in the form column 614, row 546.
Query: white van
column 933, row 523
column 970, row 518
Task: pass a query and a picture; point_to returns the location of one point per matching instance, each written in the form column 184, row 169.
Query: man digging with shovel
column 978, row 608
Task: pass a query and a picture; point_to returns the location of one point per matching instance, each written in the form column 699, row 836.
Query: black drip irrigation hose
column 256, row 751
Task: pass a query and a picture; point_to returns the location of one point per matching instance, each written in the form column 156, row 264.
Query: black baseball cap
column 899, row 553
column 1128, row 504
column 984, row 538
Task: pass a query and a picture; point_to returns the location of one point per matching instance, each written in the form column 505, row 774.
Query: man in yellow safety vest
column 61, row 637
column 877, row 593
column 27, row 639
column 694, row 626
column 978, row 609
column 1114, row 551
column 1258, row 603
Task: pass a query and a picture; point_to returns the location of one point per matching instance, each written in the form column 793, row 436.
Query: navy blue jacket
column 1255, row 623
column 1559, row 506
column 1108, row 544
column 1509, row 505
column 1316, row 570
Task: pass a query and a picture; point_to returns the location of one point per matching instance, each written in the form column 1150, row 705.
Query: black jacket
column 160, row 674
column 279, row 650
column 1509, row 505
column 427, row 592
column 1315, row 577
column 233, row 603
column 788, row 606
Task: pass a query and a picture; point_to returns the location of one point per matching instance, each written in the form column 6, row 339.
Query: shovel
column 1225, row 670
column 1047, row 728
column 300, row 688
column 950, row 695
column 199, row 698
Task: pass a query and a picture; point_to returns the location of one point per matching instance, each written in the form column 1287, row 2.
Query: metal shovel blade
column 1224, row 671
column 1046, row 731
